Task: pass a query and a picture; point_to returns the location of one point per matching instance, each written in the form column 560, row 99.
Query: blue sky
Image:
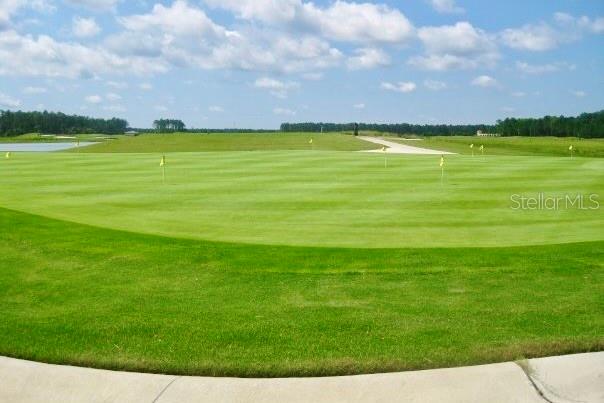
column 257, row 63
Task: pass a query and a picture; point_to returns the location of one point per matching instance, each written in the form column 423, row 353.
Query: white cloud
column 403, row 87
column 43, row 6
column 112, row 96
column 518, row 94
column 597, row 26
column 183, row 35
column 145, row 86
column 160, row 108
column 178, row 19
column 85, row 27
column 543, row 68
column 94, row 99
column 117, row 84
column 216, row 109
column 543, row 36
column 276, row 87
column 314, row 76
column 485, row 82
column 442, row 62
column 341, row 20
column 583, row 23
column 579, row 93
column 284, row 112
column 7, row 101
column 97, row 5
column 459, row 46
column 446, row 6
column 10, row 7
column 115, row 108
column 7, row 9
column 35, row 90
column 435, row 85
column 43, row 56
column 359, row 106
column 539, row 37
column 368, row 58
column 262, row 10
column 459, row 39
column 361, row 22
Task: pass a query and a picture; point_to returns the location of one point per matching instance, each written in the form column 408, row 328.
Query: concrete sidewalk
column 571, row 378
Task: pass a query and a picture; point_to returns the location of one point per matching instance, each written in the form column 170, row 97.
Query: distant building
column 131, row 133
column 479, row 133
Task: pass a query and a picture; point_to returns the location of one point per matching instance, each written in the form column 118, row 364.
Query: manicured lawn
column 552, row 146
column 89, row 296
column 38, row 138
column 164, row 143
column 295, row 262
column 311, row 198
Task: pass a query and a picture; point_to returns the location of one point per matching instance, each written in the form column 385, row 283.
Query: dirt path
column 398, row 148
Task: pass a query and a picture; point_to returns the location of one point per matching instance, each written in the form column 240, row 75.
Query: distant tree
column 16, row 123
column 587, row 125
column 168, row 125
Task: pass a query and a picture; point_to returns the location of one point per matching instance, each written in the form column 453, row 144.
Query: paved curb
column 572, row 378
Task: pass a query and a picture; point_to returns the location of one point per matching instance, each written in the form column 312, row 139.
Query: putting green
column 339, row 199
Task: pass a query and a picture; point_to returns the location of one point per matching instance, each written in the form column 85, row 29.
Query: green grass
column 311, row 198
column 548, row 146
column 294, row 262
column 39, row 138
column 180, row 142
column 89, row 296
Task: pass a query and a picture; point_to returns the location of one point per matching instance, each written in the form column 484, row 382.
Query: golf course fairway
column 297, row 262
column 337, row 199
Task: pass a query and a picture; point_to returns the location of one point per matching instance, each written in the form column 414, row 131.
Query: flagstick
column 163, row 174
column 442, row 175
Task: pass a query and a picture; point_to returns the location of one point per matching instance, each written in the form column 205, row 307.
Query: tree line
column 586, row 125
column 208, row 131
column 398, row 128
column 169, row 125
column 16, row 123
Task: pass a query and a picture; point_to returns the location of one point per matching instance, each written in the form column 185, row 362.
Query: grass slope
column 312, row 199
column 164, row 143
column 549, row 146
column 38, row 138
column 88, row 296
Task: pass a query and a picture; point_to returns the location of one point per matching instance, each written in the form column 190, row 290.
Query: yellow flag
column 481, row 147
column 471, row 145
column 570, row 148
column 162, row 162
column 310, row 141
column 7, row 154
column 442, row 161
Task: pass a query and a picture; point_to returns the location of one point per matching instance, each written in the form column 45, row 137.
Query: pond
column 40, row 147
